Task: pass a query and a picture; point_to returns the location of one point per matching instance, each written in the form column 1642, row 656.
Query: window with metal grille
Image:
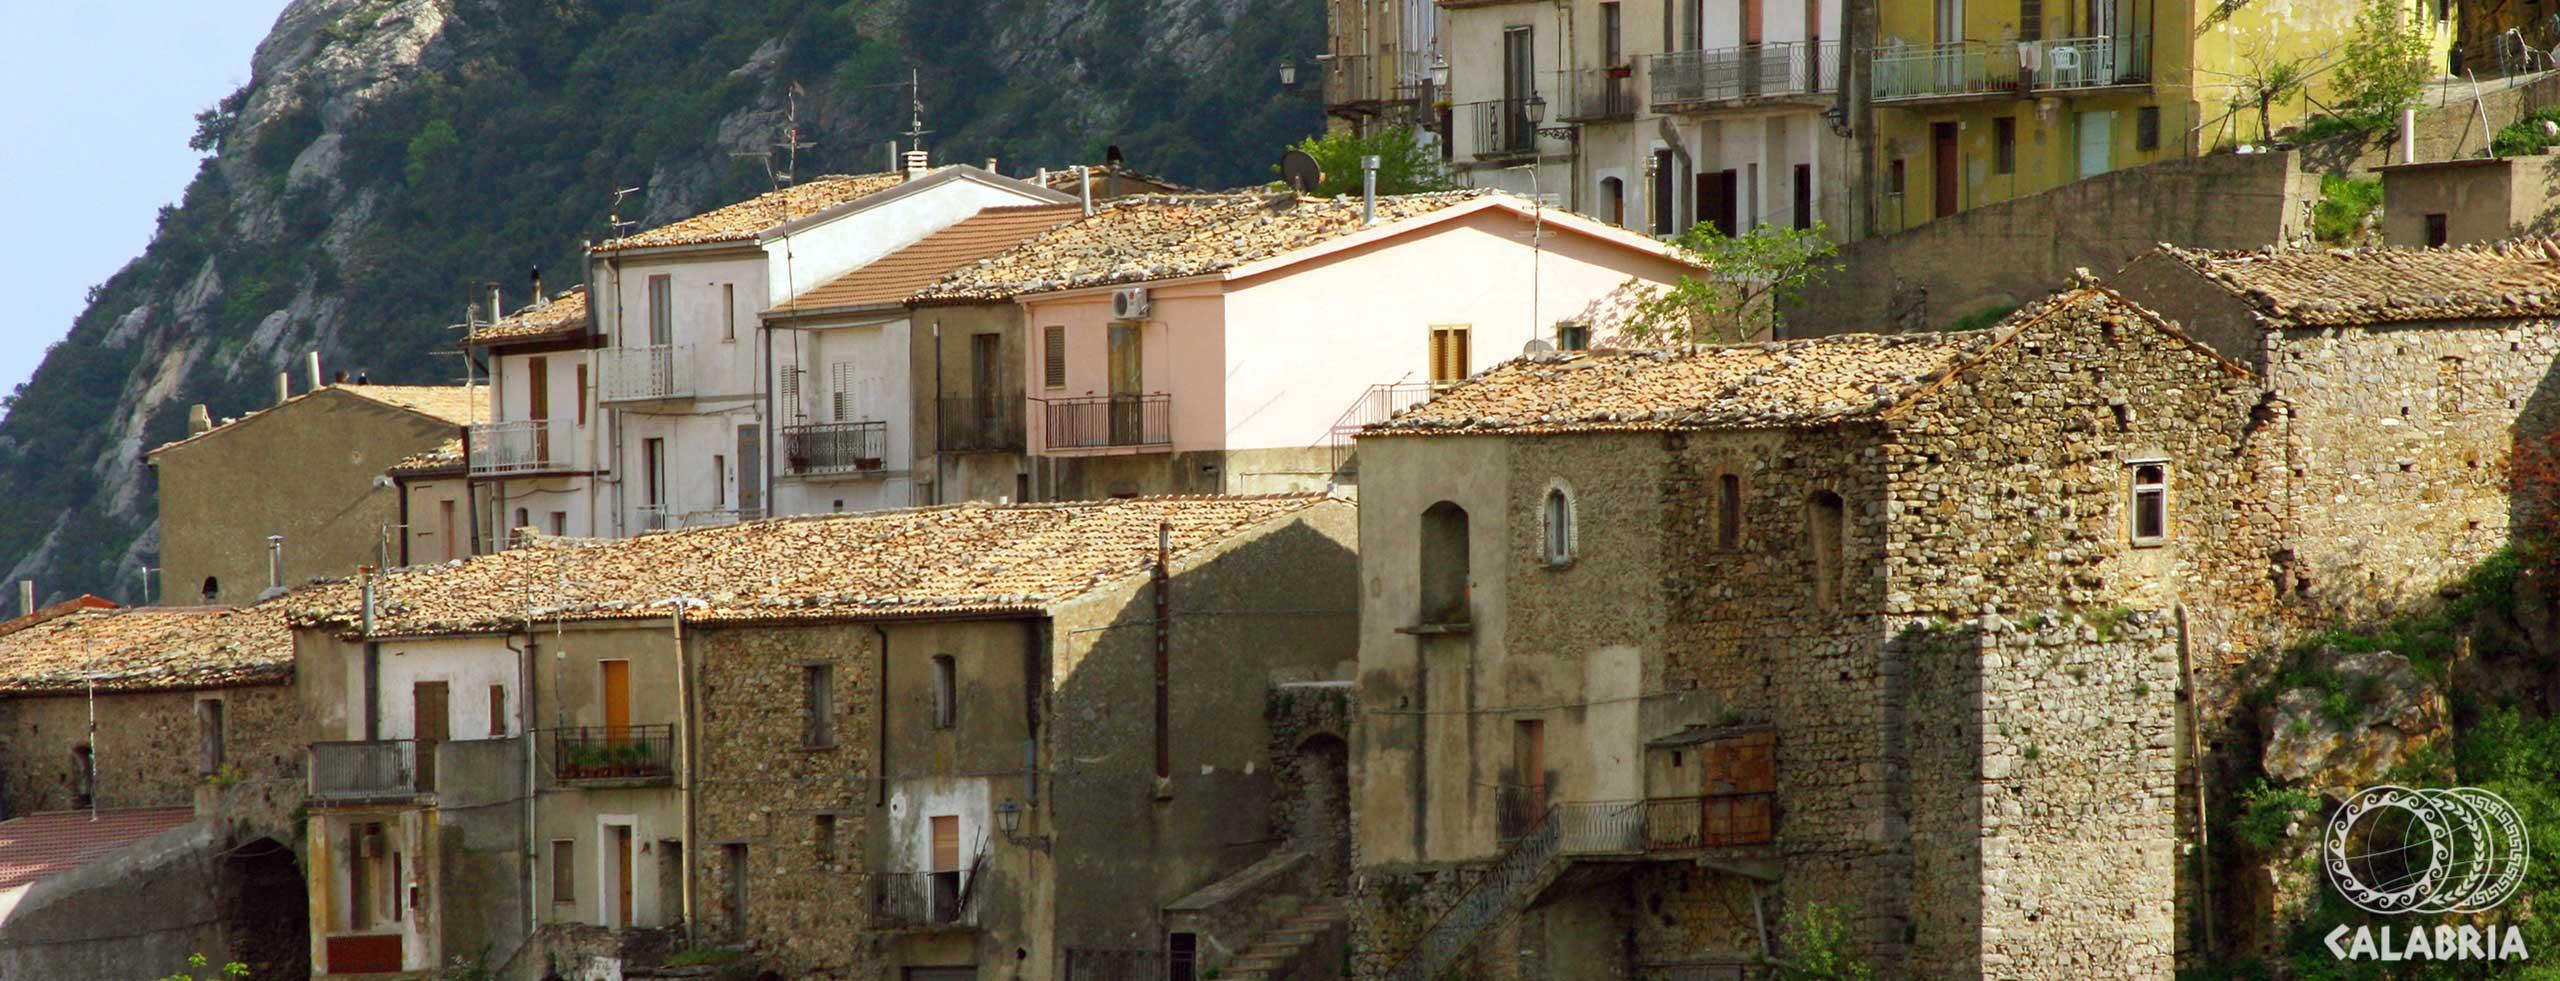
column 1728, row 511
column 818, row 705
column 2146, row 128
column 1558, row 522
column 1053, row 356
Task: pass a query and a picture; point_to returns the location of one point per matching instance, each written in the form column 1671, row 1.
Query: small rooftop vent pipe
column 284, row 386
column 275, row 561
column 26, row 597
column 1368, row 191
column 919, row 163
column 314, row 362
column 1084, row 180
column 540, row 299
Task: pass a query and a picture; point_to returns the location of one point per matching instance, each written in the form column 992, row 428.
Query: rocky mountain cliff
column 388, row 154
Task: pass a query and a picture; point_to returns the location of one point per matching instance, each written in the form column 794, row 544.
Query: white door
column 2097, row 139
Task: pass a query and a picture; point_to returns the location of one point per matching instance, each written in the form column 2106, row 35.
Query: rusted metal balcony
column 835, row 448
column 1501, row 127
column 646, row 374
column 1108, row 421
column 1698, row 79
column 946, row 900
column 629, row 756
column 520, row 447
column 1602, row 95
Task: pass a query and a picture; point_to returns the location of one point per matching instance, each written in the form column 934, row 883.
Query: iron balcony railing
column 641, row 374
column 1108, row 421
column 714, row 517
column 613, row 753
column 523, row 446
column 367, row 769
column 980, row 425
column 836, row 447
column 1375, row 405
column 659, row 517
column 1602, row 95
column 1115, row 964
column 1568, row 830
column 1501, row 126
column 2089, row 62
column 1953, row 68
column 927, row 900
column 1353, row 79
column 1754, row 71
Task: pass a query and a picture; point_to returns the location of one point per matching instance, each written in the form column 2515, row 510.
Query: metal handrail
column 907, row 899
column 613, row 752
column 836, row 447
column 2095, row 61
column 1783, row 68
column 1567, row 829
column 1502, row 126
column 634, row 374
column 1102, row 421
column 1950, row 68
column 969, row 424
column 521, row 446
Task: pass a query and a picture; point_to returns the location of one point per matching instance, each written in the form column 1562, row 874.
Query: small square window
column 2439, row 230
column 2150, row 500
column 2146, row 128
column 1893, row 177
column 2004, row 145
column 818, row 722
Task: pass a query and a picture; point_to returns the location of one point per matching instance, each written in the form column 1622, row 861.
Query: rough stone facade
column 148, row 752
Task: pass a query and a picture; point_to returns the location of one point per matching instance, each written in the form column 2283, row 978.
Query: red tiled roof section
column 900, row 274
column 1796, row 383
column 148, row 648
column 563, row 316
column 2296, row 287
column 40, row 846
column 747, row 219
column 448, row 403
column 445, row 458
column 958, row 559
column 57, row 611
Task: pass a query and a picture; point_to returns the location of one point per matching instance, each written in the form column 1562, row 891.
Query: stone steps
column 1276, row 951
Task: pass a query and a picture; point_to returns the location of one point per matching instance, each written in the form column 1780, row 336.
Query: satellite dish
column 1536, row 347
column 1298, row 170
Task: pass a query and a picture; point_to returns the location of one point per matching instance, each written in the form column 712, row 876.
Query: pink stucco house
column 1229, row 343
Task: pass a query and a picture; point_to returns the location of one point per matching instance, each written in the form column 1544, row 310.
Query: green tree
column 2383, row 67
column 1818, row 947
column 1405, row 165
column 434, row 144
column 1747, row 278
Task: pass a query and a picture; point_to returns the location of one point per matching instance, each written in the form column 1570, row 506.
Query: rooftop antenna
column 790, row 145
column 613, row 220
column 915, row 118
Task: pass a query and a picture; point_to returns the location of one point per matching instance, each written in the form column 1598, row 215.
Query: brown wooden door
column 622, row 875
column 1944, row 164
column 615, row 692
column 539, row 397
column 433, row 725
column 1128, row 381
column 1719, row 201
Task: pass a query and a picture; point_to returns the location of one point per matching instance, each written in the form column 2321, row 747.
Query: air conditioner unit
column 1130, row 304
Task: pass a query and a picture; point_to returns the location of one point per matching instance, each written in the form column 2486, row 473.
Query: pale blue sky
column 102, row 98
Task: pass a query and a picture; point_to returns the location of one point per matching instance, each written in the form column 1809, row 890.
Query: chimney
column 2408, row 136
column 918, row 163
column 199, row 419
column 991, row 167
column 314, row 362
column 284, row 386
column 275, row 561
column 1084, row 180
column 1368, row 191
column 26, row 597
column 497, row 304
column 339, row 377
column 364, row 574
column 539, row 297
column 893, row 155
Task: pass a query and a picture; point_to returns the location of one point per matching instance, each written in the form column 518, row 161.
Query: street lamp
column 1009, row 821
column 1536, row 108
column 1288, row 74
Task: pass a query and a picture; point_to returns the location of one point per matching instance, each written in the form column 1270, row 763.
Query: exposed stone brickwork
column 147, row 752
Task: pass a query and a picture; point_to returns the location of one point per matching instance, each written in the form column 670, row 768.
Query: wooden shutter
column 840, row 390
column 1053, row 356
column 582, row 395
column 1740, row 775
column 789, row 391
column 946, row 843
column 1449, row 354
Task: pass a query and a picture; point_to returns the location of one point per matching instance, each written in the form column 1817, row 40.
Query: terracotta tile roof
column 450, row 403
column 898, row 275
column 40, row 846
column 747, row 219
column 148, row 648
column 2336, row 287
column 959, row 559
column 1778, row 384
column 56, row 611
column 1136, row 239
column 445, row 458
column 1132, row 182
column 564, row 316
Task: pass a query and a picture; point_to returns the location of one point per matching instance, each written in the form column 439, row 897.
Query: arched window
column 1556, row 514
column 1444, row 571
column 1728, row 511
column 212, row 589
column 1613, row 200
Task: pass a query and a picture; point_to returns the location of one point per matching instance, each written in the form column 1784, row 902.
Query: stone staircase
column 1304, row 947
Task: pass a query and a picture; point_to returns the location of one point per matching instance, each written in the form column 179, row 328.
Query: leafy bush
column 1982, row 318
column 703, row 956
column 1818, row 946
column 1405, row 165
column 1749, row 276
column 2345, row 205
column 197, row 966
column 2527, row 135
column 2267, row 810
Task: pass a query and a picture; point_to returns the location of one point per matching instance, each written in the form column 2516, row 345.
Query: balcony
column 663, row 517
column 927, row 900
column 835, row 448
column 1501, row 127
column 1355, row 80
column 1952, row 70
column 980, row 425
column 614, row 756
column 2062, row 64
column 368, row 770
column 1694, row 79
column 499, row 448
column 1108, row 421
column 645, row 374
column 1602, row 95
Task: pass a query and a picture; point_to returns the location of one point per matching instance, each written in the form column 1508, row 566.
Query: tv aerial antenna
column 915, row 110
column 791, row 144
column 613, row 219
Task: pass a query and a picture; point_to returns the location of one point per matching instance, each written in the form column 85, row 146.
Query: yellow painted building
column 1980, row 101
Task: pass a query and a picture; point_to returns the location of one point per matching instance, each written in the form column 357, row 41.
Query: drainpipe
column 532, row 782
column 684, row 746
column 880, row 721
column 939, row 495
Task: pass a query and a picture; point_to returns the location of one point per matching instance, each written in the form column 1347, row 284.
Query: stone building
column 1656, row 647
column 307, row 469
column 948, row 742
column 2405, row 393
column 149, row 770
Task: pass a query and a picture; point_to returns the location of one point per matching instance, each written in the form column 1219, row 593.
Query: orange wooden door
column 616, row 688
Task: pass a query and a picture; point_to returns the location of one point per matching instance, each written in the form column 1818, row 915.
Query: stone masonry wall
column 147, row 751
